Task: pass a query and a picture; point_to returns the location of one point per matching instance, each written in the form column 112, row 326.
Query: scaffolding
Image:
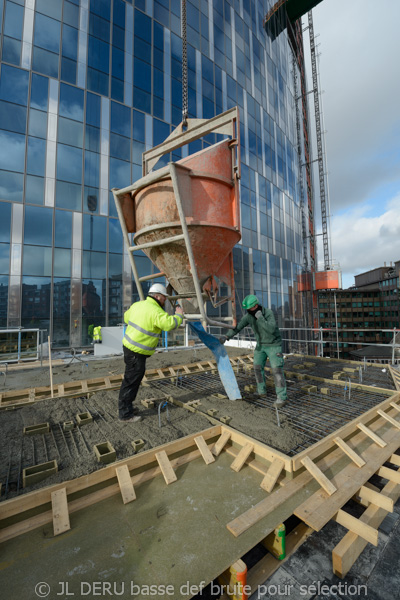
column 318, row 132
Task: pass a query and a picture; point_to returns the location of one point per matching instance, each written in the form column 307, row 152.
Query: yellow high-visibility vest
column 146, row 320
column 97, row 334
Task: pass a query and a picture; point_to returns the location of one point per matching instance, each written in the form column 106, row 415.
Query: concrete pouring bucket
column 186, row 218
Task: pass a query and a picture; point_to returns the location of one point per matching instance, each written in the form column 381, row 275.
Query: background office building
column 85, row 87
column 366, row 314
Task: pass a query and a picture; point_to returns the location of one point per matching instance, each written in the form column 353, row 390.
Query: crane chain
column 184, row 66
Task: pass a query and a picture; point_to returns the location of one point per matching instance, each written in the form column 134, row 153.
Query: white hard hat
column 158, row 288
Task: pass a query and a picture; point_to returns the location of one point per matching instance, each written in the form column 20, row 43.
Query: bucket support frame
column 226, row 124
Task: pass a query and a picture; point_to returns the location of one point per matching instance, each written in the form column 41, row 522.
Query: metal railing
column 17, row 345
column 313, row 341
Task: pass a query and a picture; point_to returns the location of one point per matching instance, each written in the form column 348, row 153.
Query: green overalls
column 269, row 345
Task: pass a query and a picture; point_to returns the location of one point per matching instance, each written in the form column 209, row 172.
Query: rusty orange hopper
column 185, row 216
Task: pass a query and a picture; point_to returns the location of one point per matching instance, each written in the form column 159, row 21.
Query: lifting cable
column 184, row 66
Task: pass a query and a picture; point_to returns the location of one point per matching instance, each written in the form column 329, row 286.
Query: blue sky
column 360, row 78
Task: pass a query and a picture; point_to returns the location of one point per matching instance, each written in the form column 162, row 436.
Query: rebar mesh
column 313, row 414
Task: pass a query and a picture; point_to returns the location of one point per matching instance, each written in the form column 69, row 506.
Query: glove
column 223, row 339
column 179, row 311
column 258, row 314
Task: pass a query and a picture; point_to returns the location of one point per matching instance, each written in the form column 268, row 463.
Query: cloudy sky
column 360, row 75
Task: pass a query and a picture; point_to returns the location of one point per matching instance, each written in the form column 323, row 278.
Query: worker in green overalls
column 269, row 345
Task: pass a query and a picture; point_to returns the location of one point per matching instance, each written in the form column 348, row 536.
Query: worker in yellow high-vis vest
column 145, row 321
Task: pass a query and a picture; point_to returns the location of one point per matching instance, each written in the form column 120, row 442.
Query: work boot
column 279, row 403
column 261, row 389
column 134, row 419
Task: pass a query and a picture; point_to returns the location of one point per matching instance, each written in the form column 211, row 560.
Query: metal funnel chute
column 185, row 216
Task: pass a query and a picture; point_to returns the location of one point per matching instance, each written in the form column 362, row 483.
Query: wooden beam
column 389, row 474
column 59, row 505
column 204, row 450
column 319, row 476
column 25, row 502
column 375, row 438
column 396, row 406
column 376, row 498
column 75, row 505
column 270, row 479
column 317, row 510
column 254, row 514
column 219, row 445
column 265, row 567
column 359, row 500
column 321, row 447
column 360, row 462
column 388, row 418
column 351, row 545
column 260, row 449
column 125, row 484
column 242, row 457
column 365, row 531
column 166, row 468
column 395, row 460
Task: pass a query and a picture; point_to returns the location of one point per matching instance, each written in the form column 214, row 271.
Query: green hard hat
column 250, row 301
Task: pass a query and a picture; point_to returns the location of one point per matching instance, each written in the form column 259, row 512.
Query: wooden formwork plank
column 242, row 457
column 25, row 502
column 360, row 462
column 375, row 438
column 221, row 442
column 357, row 498
column 396, row 406
column 270, row 479
column 395, row 460
column 389, row 419
column 324, row 445
column 368, row 533
column 260, row 449
column 75, row 505
column 395, row 376
column 125, row 484
column 166, row 468
column 73, row 388
column 389, row 474
column 317, row 510
column 254, row 514
column 60, row 512
column 375, row 497
column 351, row 545
column 319, row 476
column 204, row 450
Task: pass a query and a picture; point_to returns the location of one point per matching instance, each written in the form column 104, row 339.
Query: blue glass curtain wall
column 85, row 87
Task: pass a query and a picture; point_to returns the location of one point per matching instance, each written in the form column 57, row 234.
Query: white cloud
column 363, row 242
column 359, row 73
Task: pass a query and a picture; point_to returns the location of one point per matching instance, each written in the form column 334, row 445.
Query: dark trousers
column 135, row 367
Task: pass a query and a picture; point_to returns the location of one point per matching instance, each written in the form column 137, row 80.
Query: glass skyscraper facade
column 85, row 87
